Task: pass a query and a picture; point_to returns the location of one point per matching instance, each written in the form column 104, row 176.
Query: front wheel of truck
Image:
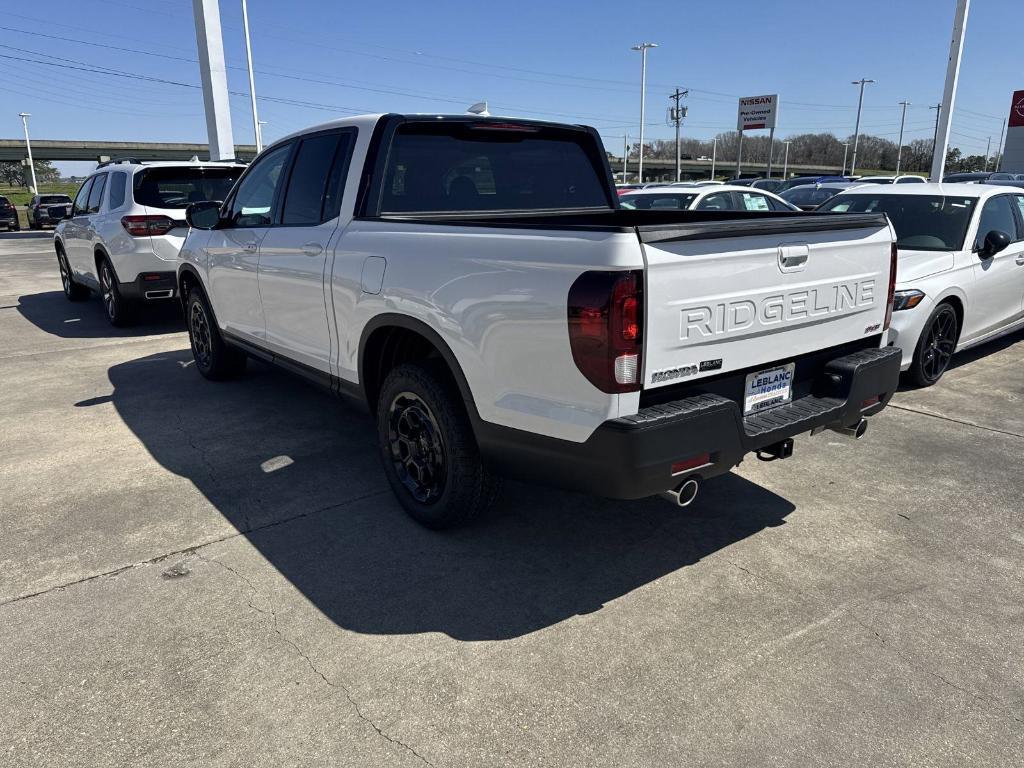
column 428, row 449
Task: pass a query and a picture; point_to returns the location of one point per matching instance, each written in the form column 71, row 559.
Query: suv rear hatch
column 752, row 295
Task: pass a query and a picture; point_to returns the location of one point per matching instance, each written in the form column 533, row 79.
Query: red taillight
column 893, row 255
column 685, row 465
column 145, row 226
column 606, row 329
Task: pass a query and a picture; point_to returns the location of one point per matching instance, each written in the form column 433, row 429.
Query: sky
column 570, row 61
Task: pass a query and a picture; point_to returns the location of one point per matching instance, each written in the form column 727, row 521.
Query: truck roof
column 930, row 188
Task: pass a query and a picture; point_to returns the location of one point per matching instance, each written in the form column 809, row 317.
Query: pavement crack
column 275, row 626
column 955, row 421
column 190, row 549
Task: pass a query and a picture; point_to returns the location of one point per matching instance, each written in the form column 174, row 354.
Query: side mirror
column 995, row 241
column 204, row 215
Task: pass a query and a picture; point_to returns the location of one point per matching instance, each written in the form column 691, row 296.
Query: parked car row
column 481, row 288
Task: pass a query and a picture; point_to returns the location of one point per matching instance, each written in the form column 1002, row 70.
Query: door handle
column 1020, row 260
column 312, row 249
column 795, row 260
column 250, row 247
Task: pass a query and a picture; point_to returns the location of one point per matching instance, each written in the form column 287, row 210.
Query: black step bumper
column 632, row 457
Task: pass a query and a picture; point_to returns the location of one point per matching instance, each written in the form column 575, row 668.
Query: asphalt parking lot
column 217, row 574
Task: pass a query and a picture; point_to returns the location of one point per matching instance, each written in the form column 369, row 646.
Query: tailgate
column 734, row 295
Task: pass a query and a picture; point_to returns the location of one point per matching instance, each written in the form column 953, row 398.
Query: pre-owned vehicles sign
column 757, row 112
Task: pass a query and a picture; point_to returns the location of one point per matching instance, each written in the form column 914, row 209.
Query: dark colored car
column 800, row 181
column 807, row 197
column 8, row 215
column 952, row 178
column 47, row 209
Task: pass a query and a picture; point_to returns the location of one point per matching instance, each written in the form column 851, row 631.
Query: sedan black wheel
column 935, row 347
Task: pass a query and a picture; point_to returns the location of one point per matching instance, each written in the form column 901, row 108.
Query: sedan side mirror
column 204, row 215
column 995, row 241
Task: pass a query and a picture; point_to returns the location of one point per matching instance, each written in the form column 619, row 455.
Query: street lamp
column 785, row 161
column 846, row 148
column 252, row 82
column 856, row 131
column 899, row 150
column 642, row 47
column 28, row 147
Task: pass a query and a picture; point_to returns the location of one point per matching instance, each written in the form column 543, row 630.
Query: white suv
column 123, row 233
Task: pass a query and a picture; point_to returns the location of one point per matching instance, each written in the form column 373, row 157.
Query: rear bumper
column 8, row 218
column 150, row 286
column 632, row 457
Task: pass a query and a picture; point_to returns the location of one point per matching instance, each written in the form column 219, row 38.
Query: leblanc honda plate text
column 767, row 389
column 743, row 315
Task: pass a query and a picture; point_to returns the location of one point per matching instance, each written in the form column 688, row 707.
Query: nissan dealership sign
column 1012, row 159
column 757, row 112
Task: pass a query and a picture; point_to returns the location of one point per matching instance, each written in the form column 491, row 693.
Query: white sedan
column 720, row 197
column 960, row 275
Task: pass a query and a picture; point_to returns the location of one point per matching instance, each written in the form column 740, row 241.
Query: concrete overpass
column 95, row 151
column 665, row 170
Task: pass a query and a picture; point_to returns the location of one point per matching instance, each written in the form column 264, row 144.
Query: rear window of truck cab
column 447, row 167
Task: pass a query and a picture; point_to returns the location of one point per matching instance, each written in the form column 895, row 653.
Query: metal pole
column 988, row 148
column 771, row 150
column 956, row 48
column 846, row 148
column 999, row 148
column 714, row 156
column 213, row 74
column 28, row 148
column 856, row 131
column 625, row 154
column 935, row 136
column 785, row 161
column 899, row 150
column 642, row 47
column 252, row 82
column 739, row 156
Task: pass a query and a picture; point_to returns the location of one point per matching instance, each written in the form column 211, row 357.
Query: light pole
column 846, row 148
column 28, row 147
column 625, row 155
column 677, row 113
column 252, row 82
column 856, row 131
column 899, row 150
column 642, row 47
column 988, row 148
column 785, row 161
column 935, row 136
column 714, row 157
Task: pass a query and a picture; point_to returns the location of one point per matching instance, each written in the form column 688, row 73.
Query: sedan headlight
column 906, row 299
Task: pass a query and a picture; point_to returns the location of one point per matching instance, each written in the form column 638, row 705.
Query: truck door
column 233, row 248
column 293, row 255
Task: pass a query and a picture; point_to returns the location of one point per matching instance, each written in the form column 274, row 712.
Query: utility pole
column 676, row 116
column 625, row 154
column 28, row 148
column 846, row 148
column 856, row 131
column 988, row 148
column 935, row 137
column 739, row 156
column 213, row 74
column 714, row 156
column 771, row 151
column 643, row 48
column 785, row 161
column 956, row 49
column 899, row 150
column 999, row 148
column 252, row 82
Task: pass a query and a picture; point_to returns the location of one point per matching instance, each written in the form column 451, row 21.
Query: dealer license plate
column 769, row 388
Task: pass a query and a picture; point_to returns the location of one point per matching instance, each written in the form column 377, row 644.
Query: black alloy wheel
column 935, row 348
column 417, row 449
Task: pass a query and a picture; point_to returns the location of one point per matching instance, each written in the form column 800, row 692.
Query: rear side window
column 118, row 188
column 96, row 193
column 753, row 201
column 458, row 167
column 54, row 199
column 314, row 188
column 716, row 201
column 176, row 188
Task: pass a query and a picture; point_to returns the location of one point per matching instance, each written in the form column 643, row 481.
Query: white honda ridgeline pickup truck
column 474, row 283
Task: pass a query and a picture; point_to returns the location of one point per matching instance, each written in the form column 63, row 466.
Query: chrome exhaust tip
column 856, row 431
column 684, row 495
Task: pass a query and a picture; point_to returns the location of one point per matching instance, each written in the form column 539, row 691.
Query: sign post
column 757, row 113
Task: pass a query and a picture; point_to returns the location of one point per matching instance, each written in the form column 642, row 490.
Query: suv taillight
column 606, row 329
column 144, row 226
column 893, row 258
